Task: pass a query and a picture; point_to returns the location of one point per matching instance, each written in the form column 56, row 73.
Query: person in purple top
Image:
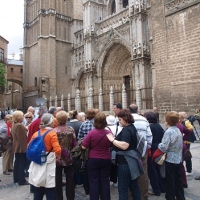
column 186, row 134
column 99, row 162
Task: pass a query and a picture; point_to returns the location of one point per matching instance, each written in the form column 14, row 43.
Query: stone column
column 100, row 100
column 124, row 97
column 138, row 96
column 90, row 98
column 68, row 102
column 62, row 102
column 78, row 101
column 111, row 98
column 56, row 101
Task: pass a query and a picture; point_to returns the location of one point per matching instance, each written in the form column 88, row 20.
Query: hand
column 110, row 136
column 57, row 158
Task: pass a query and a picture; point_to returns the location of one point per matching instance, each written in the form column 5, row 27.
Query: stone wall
column 175, row 30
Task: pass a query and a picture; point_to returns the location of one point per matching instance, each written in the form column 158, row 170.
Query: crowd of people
column 113, row 158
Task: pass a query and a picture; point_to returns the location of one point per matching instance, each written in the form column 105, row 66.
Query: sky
column 11, row 24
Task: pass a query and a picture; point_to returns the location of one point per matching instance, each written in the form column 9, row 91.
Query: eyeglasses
column 29, row 117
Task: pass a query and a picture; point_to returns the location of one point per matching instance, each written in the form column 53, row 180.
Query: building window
column 113, row 7
column 11, row 70
column 21, row 71
column 125, row 3
column 35, row 82
column 1, row 54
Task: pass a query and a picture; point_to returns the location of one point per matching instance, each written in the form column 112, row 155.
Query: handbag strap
column 43, row 138
column 98, row 142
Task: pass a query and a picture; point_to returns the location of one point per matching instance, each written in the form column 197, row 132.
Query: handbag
column 159, row 157
column 4, row 142
column 80, row 156
column 187, row 155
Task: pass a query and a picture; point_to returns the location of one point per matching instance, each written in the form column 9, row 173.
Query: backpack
column 36, row 150
column 141, row 145
column 141, row 140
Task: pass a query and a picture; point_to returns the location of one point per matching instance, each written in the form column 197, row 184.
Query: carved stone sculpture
column 139, row 50
column 93, row 64
column 92, row 28
column 136, row 6
column 89, row 64
column 134, row 50
column 132, row 8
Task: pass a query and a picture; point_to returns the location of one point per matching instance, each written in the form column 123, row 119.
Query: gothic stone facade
column 149, row 46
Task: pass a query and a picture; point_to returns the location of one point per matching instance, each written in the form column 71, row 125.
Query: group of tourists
column 114, row 159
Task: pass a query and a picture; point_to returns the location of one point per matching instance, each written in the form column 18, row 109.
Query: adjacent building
column 3, row 60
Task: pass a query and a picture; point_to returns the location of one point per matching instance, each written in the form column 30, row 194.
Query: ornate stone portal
column 106, row 46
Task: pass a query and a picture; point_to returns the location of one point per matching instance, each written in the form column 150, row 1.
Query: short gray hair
column 46, row 120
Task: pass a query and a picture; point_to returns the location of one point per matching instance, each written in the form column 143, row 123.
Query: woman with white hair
column 81, row 116
column 42, row 177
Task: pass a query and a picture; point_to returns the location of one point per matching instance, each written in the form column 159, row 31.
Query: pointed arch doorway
column 116, row 71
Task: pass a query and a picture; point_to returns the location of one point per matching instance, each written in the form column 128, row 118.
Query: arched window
column 125, row 3
column 113, row 7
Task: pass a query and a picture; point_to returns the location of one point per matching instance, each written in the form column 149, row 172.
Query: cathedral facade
column 149, row 48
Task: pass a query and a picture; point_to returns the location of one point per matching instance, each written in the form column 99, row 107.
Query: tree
column 2, row 77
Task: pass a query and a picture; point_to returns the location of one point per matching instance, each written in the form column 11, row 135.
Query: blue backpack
column 36, row 150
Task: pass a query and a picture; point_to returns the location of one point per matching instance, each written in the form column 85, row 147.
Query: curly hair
column 172, row 118
column 7, row 117
column 126, row 115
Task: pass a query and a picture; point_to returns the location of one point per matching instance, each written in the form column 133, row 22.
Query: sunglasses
column 29, row 117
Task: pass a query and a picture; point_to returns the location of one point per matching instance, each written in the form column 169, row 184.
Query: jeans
column 39, row 192
column 19, row 167
column 125, row 182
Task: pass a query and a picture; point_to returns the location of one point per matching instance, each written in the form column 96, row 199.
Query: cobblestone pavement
column 10, row 191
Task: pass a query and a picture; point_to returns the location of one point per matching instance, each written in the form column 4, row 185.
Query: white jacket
column 143, row 128
column 43, row 175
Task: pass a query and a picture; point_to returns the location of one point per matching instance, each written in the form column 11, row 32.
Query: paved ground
column 10, row 191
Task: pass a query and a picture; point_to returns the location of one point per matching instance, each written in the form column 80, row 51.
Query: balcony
column 113, row 21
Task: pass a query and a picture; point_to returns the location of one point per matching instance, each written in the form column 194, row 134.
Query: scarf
column 9, row 126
